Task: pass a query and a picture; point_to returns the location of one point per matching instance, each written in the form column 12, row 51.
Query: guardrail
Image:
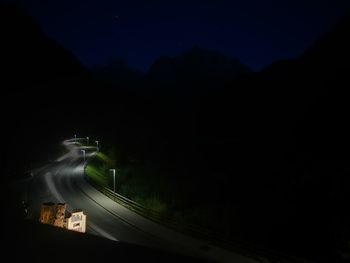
column 211, row 237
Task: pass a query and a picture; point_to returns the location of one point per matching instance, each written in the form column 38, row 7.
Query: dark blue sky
column 257, row 32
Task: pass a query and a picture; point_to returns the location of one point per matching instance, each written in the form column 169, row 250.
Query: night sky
column 257, row 32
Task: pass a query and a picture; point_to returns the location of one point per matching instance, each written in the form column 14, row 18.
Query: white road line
column 53, row 189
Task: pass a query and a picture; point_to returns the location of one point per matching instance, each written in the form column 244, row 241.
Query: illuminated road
column 63, row 181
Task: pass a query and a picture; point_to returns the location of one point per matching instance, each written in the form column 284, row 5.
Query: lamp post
column 87, row 141
column 113, row 170
column 83, row 151
column 97, row 145
column 75, row 138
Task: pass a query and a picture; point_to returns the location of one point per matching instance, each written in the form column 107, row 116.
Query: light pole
column 87, row 141
column 83, row 151
column 113, row 170
column 75, row 138
column 96, row 145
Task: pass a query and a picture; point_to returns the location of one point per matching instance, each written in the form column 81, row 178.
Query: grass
column 131, row 182
column 103, row 157
column 96, row 175
column 145, row 185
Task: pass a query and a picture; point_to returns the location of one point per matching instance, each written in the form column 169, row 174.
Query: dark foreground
column 35, row 242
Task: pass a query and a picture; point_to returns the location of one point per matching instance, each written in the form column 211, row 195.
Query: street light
column 84, row 155
column 75, row 138
column 87, row 141
column 96, row 145
column 113, row 170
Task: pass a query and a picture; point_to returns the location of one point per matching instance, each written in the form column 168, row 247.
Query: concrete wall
column 77, row 222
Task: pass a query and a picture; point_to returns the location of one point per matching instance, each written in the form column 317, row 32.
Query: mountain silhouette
column 330, row 54
column 278, row 137
column 29, row 57
column 117, row 73
column 288, row 123
column 194, row 69
column 39, row 80
column 314, row 89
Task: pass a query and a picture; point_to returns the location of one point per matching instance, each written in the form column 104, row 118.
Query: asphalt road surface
column 64, row 181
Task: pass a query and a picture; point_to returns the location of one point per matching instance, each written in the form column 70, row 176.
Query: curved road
column 63, row 181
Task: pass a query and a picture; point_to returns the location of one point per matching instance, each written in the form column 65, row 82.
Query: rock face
column 47, row 213
column 60, row 215
column 53, row 214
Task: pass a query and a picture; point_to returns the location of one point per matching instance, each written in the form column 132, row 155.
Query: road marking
column 51, row 186
column 57, row 195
